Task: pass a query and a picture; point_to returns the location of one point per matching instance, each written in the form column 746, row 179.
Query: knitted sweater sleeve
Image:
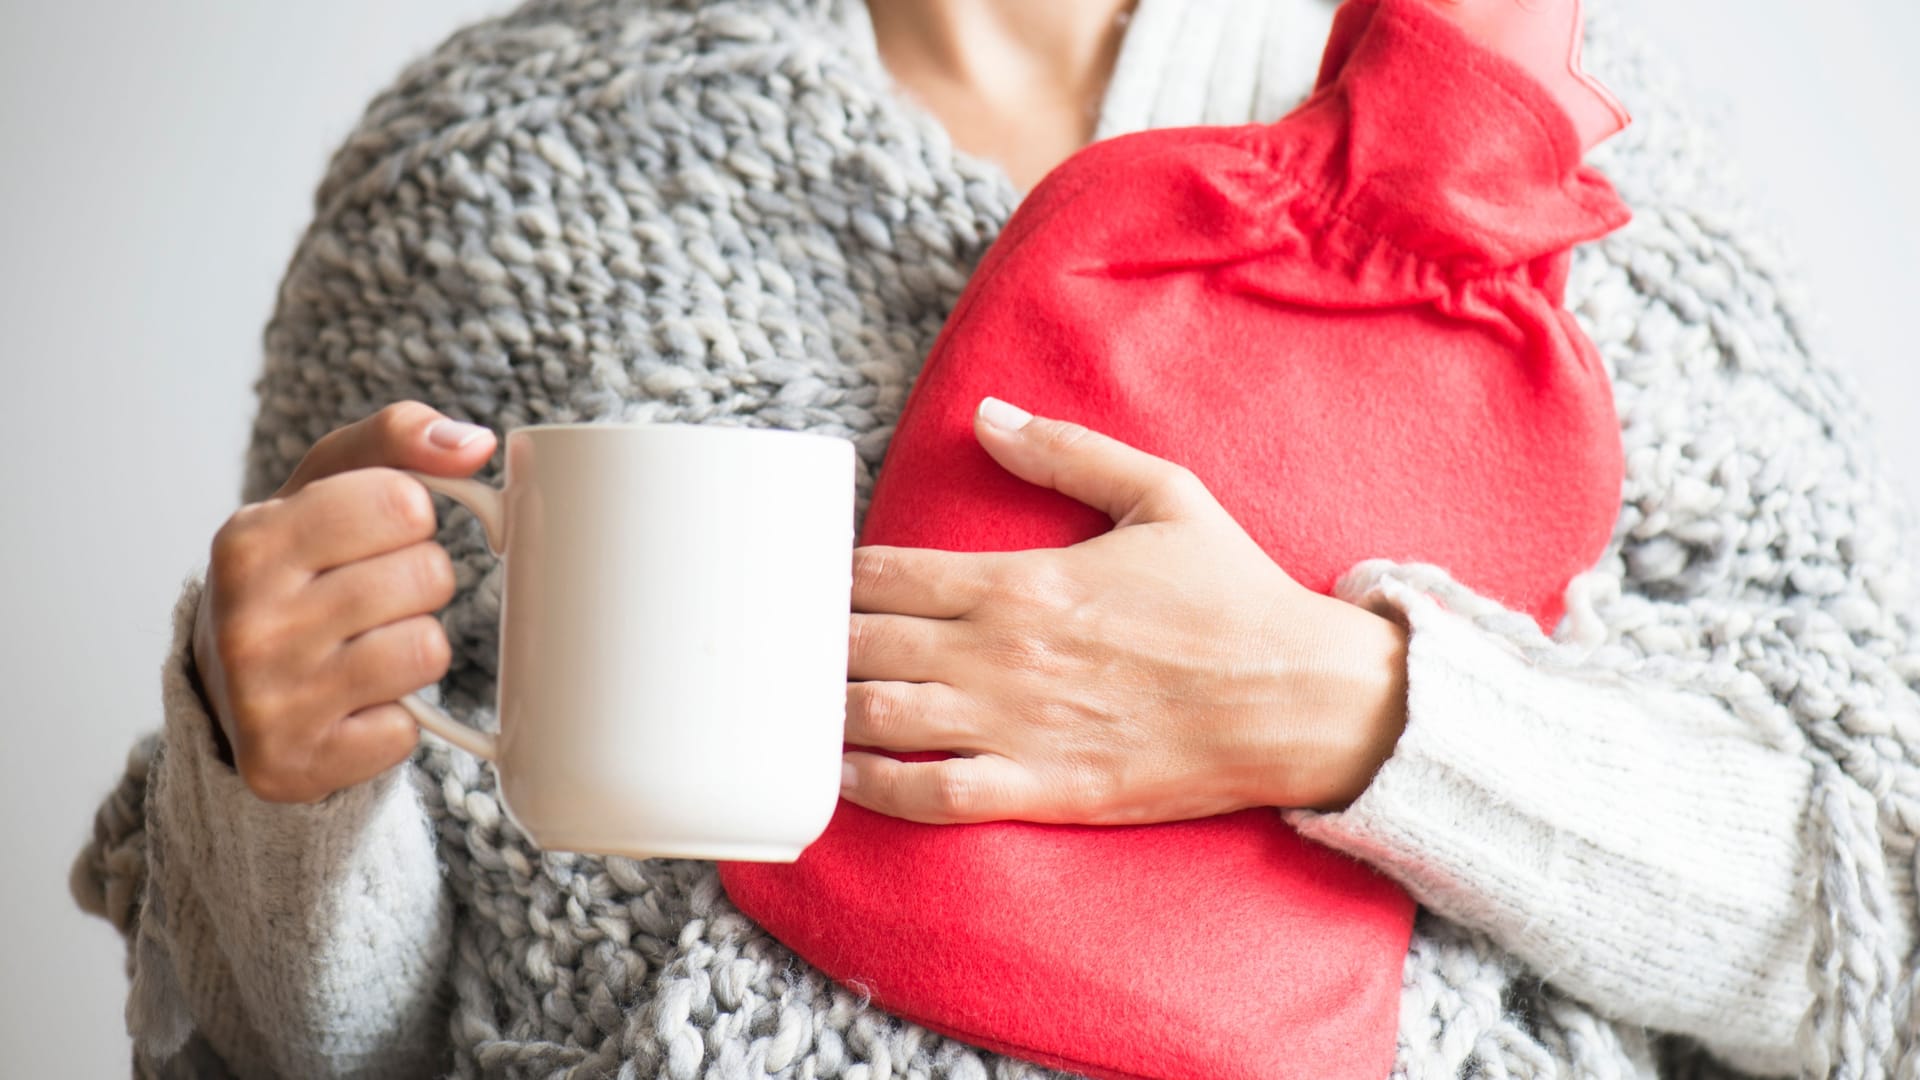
column 266, row 940
column 1694, row 808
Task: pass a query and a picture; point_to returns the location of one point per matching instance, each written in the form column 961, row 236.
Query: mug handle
column 485, row 502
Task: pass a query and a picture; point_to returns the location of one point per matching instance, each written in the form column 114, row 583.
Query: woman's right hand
column 319, row 606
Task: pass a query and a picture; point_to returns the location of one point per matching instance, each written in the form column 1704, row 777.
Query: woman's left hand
column 1165, row 670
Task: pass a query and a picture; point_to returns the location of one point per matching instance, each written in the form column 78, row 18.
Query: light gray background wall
column 157, row 163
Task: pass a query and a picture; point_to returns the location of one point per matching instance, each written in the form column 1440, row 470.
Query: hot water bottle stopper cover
column 1349, row 324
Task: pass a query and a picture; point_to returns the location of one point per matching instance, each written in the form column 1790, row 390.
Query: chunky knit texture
column 1693, row 811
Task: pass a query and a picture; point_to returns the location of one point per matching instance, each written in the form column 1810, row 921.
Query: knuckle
column 863, row 636
column 241, row 546
column 1045, row 585
column 954, row 795
column 1089, row 791
column 265, row 784
column 390, row 730
column 427, row 651
column 1063, row 435
column 245, row 639
column 879, row 711
column 256, row 712
column 430, row 574
column 1183, row 482
column 1010, row 581
column 265, row 772
column 395, row 424
column 874, row 568
column 406, row 502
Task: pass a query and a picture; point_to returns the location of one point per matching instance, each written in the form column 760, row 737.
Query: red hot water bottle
column 1349, row 325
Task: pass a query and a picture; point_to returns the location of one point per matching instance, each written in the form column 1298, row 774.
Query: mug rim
column 628, row 427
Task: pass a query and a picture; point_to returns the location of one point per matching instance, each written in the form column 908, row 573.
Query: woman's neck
column 1000, row 47
column 1016, row 81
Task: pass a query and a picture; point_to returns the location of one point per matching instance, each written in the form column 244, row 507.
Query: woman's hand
column 318, row 609
column 1162, row 671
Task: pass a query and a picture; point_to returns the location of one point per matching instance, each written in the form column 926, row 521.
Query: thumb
column 404, row 435
column 1129, row 485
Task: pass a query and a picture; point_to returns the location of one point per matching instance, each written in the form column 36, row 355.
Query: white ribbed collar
column 1188, row 62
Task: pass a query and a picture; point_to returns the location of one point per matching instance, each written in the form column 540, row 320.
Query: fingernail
column 846, row 775
column 1003, row 415
column 452, row 434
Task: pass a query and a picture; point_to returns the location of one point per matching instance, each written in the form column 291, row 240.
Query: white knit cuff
column 1636, row 845
column 263, row 923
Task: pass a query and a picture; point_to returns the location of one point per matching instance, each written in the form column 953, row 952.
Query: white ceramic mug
column 673, row 637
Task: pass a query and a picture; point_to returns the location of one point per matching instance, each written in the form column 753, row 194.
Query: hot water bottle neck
column 1543, row 38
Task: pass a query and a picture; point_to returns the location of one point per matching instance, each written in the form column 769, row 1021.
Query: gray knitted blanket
column 719, row 212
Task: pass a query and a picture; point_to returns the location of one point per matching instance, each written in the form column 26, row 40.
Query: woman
column 1692, row 815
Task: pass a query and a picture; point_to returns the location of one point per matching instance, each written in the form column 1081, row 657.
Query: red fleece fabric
column 1349, row 325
